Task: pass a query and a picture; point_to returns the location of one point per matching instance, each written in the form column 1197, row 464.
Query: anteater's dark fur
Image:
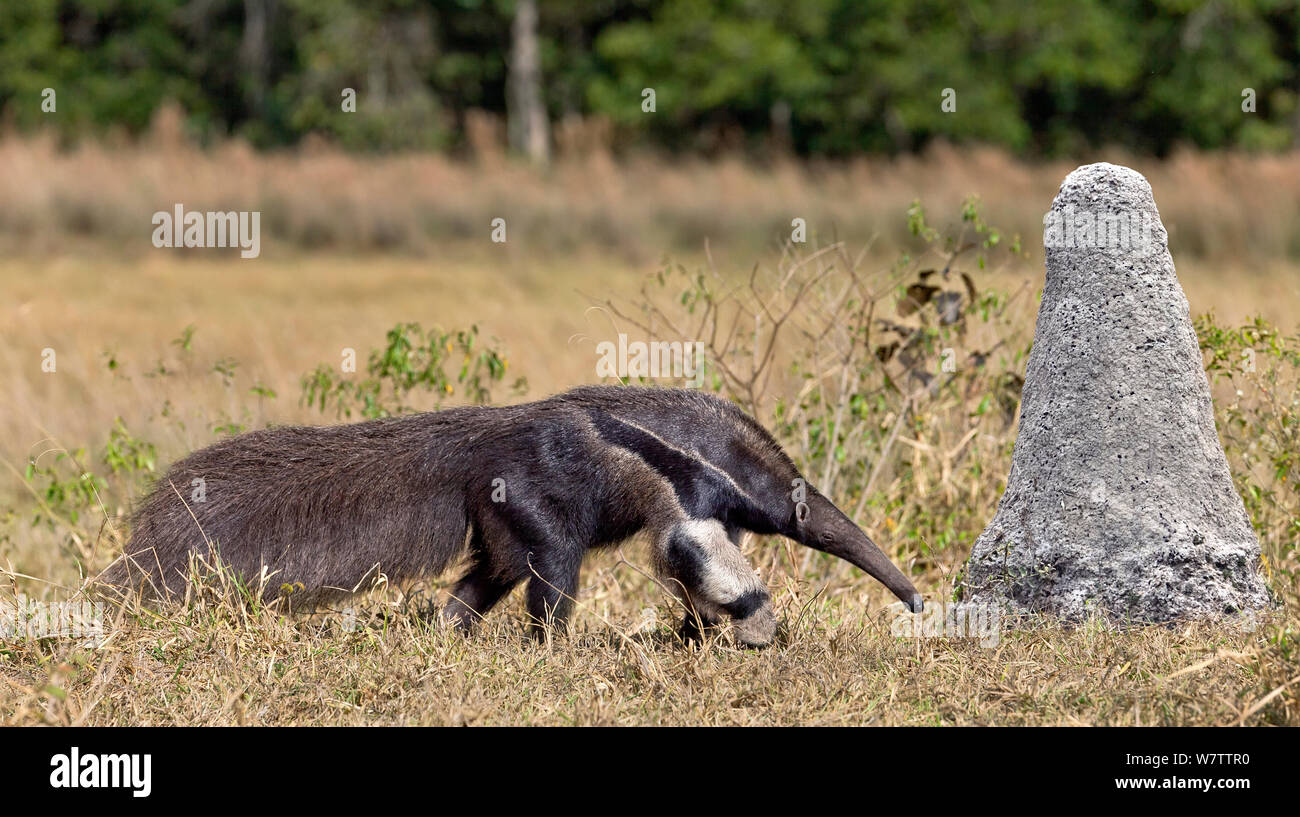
column 330, row 507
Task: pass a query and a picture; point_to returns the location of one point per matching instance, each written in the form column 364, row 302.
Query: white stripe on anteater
column 691, row 455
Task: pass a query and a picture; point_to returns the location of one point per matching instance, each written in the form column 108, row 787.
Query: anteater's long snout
column 864, row 553
column 830, row 531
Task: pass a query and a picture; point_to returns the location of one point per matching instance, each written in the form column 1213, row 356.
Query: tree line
column 813, row 77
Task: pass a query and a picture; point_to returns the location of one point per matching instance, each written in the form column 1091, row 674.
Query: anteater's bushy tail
column 320, row 510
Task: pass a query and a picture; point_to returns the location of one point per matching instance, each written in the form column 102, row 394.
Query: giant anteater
column 526, row 489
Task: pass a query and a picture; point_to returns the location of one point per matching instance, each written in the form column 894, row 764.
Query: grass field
column 280, row 317
column 112, row 313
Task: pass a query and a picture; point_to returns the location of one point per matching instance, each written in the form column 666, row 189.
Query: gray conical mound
column 1119, row 498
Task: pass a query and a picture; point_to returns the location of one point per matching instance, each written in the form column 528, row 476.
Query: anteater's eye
column 826, row 537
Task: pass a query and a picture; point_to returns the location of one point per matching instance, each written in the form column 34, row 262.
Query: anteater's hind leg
column 555, row 568
column 506, row 551
column 479, row 590
column 708, row 571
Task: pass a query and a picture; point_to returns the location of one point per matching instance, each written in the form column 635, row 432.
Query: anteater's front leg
column 708, row 571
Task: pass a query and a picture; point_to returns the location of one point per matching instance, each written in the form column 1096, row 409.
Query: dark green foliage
column 444, row 365
column 821, row 77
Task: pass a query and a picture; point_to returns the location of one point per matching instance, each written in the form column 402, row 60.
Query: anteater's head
column 820, row 525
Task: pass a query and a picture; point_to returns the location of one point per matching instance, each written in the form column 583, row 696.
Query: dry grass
column 84, row 281
column 280, row 318
column 1216, row 206
column 216, row 664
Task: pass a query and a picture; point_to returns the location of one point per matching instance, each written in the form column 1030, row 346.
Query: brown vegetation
column 1219, row 207
column 919, row 463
